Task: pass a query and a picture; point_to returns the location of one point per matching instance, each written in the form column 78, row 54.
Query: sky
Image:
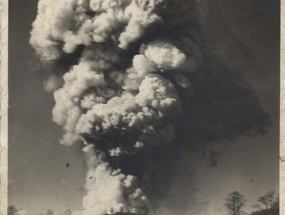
column 246, row 34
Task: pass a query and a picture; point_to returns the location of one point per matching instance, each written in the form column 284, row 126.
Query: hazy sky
column 246, row 31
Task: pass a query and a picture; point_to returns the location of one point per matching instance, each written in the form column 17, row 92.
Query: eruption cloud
column 109, row 190
column 127, row 92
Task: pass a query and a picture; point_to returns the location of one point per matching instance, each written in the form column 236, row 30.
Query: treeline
column 12, row 210
column 267, row 204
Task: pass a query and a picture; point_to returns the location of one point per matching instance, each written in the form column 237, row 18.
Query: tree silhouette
column 268, row 199
column 12, row 210
column 257, row 206
column 276, row 202
column 234, row 203
column 49, row 212
column 267, row 204
column 67, row 212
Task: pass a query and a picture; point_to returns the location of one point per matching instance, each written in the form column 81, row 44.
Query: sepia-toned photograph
column 143, row 107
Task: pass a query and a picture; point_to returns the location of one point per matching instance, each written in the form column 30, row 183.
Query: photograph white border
column 4, row 108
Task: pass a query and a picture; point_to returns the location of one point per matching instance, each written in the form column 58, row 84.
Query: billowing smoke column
column 125, row 93
column 121, row 96
column 110, row 191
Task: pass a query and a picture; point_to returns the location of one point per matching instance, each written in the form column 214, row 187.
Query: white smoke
column 52, row 83
column 164, row 55
column 109, row 191
column 97, row 100
column 115, row 89
column 61, row 26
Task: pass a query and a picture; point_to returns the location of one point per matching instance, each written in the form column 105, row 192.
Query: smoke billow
column 138, row 85
column 109, row 190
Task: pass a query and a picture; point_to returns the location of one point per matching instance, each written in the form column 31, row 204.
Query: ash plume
column 109, row 190
column 139, row 86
